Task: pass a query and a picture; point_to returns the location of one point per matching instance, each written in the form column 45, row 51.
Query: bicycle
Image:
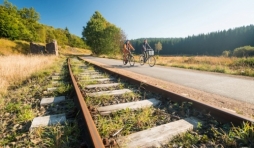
column 130, row 59
column 147, row 56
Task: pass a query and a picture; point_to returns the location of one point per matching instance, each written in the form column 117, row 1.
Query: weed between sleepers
column 209, row 133
column 212, row 135
column 21, row 105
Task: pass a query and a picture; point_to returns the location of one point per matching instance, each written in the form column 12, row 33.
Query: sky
column 146, row 18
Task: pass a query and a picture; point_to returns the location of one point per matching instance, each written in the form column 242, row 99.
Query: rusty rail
column 221, row 115
column 96, row 139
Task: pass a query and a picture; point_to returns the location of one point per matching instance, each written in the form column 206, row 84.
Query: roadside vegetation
column 220, row 64
column 228, row 65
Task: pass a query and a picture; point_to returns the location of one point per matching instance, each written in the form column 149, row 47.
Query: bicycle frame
column 129, row 55
column 146, row 55
column 130, row 58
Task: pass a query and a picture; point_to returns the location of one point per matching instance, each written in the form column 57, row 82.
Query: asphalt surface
column 235, row 87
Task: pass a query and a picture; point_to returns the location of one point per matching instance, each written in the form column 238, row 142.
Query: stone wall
column 52, row 48
column 36, row 48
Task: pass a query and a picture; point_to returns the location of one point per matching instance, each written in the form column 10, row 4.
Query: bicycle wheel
column 141, row 60
column 124, row 62
column 151, row 61
column 131, row 60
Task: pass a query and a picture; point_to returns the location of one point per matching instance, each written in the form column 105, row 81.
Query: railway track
column 123, row 112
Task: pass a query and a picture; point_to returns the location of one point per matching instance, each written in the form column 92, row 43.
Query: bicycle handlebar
column 149, row 49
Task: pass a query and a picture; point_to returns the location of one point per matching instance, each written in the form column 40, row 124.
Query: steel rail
column 217, row 113
column 96, row 139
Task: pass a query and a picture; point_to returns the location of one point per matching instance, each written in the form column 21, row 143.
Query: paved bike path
column 236, row 87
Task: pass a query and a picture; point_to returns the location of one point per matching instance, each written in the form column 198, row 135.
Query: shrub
column 226, row 53
column 244, row 51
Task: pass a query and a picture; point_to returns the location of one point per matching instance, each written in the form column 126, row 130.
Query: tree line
column 203, row 44
column 22, row 24
column 105, row 38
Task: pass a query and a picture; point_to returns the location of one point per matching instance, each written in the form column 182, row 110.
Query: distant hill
column 213, row 43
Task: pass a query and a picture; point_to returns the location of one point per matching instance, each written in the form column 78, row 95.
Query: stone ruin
column 51, row 48
column 37, row 49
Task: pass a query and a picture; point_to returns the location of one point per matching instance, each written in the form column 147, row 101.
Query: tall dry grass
column 229, row 65
column 171, row 60
column 66, row 50
column 16, row 68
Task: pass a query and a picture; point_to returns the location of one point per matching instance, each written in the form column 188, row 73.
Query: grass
column 227, row 136
column 209, row 134
column 18, row 47
column 229, row 65
column 75, row 63
column 66, row 50
column 27, row 77
column 8, row 47
column 109, row 99
column 220, row 64
column 15, row 69
column 130, row 121
column 56, row 136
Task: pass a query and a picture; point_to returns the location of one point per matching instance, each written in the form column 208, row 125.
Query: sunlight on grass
column 26, row 115
column 19, row 67
column 56, row 136
column 227, row 136
column 229, row 65
column 73, row 50
column 8, row 47
column 130, row 121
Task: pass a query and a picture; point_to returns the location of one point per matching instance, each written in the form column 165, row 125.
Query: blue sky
column 146, row 18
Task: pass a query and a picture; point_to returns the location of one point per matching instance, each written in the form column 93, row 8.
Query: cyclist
column 126, row 49
column 145, row 46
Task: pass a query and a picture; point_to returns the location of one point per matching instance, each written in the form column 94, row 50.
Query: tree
column 213, row 43
column 30, row 15
column 22, row 24
column 226, row 53
column 11, row 25
column 244, row 51
column 102, row 36
column 158, row 47
column 50, row 36
column 93, row 32
column 112, row 36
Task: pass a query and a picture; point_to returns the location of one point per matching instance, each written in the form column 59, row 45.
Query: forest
column 23, row 24
column 213, row 43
